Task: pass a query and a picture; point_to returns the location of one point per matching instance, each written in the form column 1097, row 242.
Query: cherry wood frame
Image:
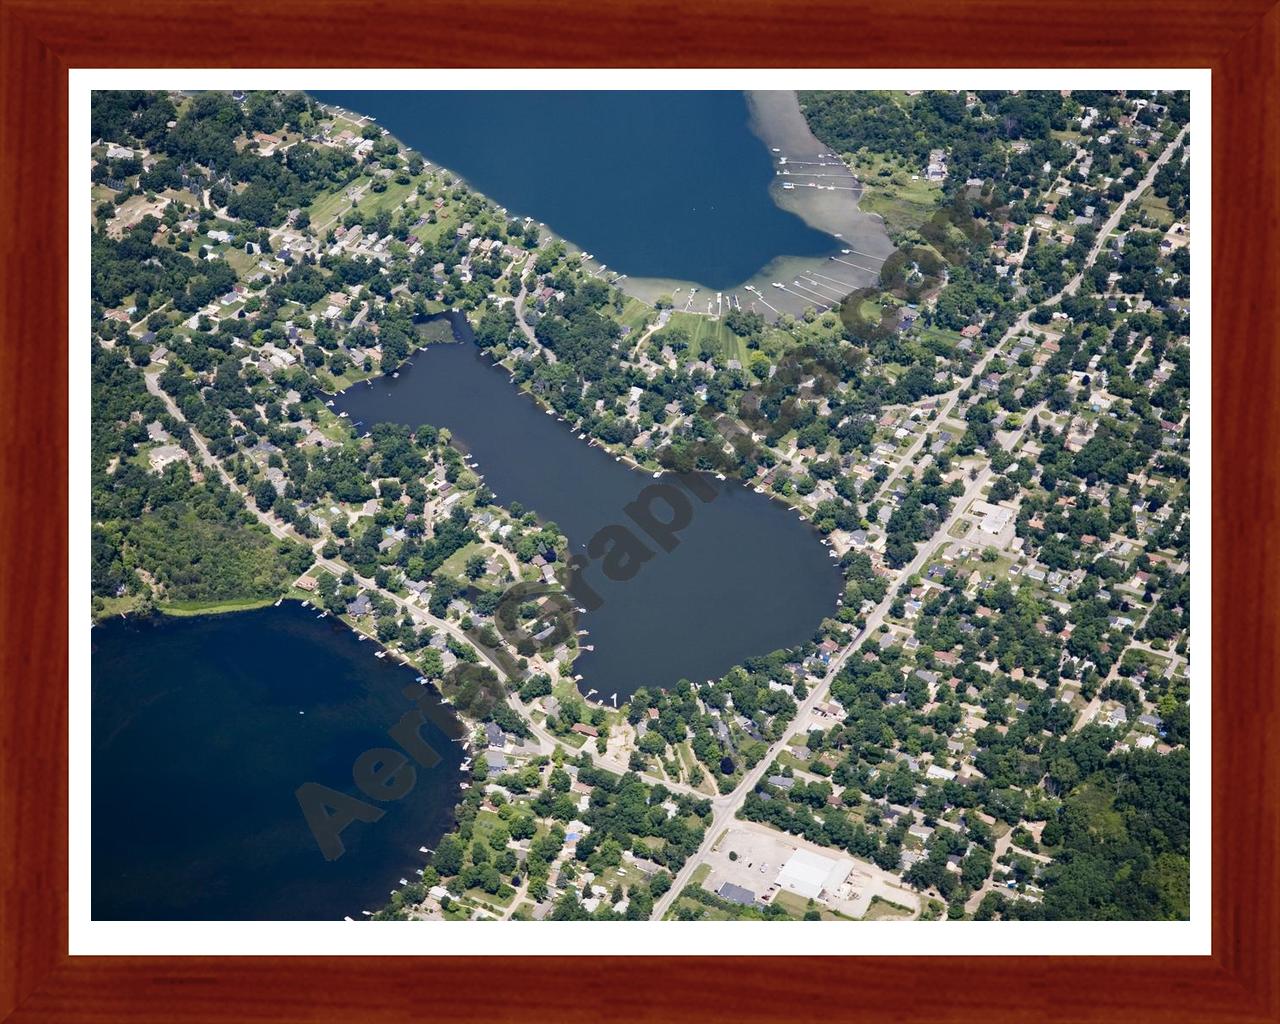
column 41, row 39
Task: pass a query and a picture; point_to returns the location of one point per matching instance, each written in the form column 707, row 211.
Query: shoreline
column 775, row 118
column 217, row 607
column 393, row 657
column 784, row 125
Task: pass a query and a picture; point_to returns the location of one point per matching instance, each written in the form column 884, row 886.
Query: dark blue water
column 198, row 748
column 747, row 577
column 655, row 184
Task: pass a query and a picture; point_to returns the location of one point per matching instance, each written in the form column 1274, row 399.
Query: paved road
column 726, row 809
column 420, row 615
column 725, row 806
column 284, row 531
column 534, row 344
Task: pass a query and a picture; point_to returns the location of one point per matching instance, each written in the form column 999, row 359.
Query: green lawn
column 903, row 201
column 941, row 335
column 116, row 606
column 882, row 910
column 870, row 310
column 634, row 314
column 392, row 199
column 710, row 337
column 797, row 906
column 186, row 608
column 434, row 332
column 324, row 208
column 1156, row 209
column 708, row 913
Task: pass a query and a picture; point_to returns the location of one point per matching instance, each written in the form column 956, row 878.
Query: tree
column 264, row 495
column 447, row 858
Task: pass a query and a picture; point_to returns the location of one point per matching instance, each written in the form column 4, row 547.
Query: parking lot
column 762, row 852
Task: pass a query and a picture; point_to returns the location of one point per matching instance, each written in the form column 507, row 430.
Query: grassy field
column 456, row 563
column 116, row 606
column 392, row 199
column 710, row 338
column 882, row 910
column 870, row 310
column 797, row 906
column 941, row 337
column 1156, row 209
column 182, row 195
column 325, row 208
column 434, row 332
column 186, row 608
column 708, row 913
column 634, row 314
column 905, row 202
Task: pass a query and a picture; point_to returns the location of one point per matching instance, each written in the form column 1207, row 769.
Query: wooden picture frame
column 40, row 40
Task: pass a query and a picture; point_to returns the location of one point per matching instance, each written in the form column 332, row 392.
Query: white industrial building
column 808, row 874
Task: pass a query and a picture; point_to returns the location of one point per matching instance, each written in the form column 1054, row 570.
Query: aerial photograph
column 639, row 505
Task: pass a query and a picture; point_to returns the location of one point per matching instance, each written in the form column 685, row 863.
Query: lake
column 747, row 577
column 671, row 185
column 204, row 728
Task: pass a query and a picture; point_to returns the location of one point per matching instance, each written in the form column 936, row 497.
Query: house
column 494, row 736
column 737, row 894
column 585, row 730
column 921, row 832
column 781, row 781
column 936, row 170
column 995, row 518
column 360, row 606
column 164, row 456
column 306, row 583
column 497, row 762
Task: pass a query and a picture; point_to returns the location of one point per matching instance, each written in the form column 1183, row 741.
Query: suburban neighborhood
column 991, row 441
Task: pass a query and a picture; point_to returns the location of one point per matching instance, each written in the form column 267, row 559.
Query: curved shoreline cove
column 667, row 188
column 745, row 575
column 204, row 728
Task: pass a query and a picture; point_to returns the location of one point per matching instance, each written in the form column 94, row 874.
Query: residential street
column 727, row 807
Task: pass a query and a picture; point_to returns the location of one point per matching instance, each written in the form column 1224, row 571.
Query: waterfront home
column 494, row 736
